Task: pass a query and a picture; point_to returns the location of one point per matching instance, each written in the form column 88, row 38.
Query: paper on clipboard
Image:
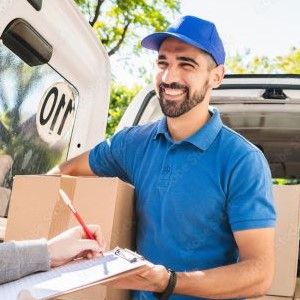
column 73, row 276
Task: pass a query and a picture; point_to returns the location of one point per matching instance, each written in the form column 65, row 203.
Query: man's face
column 182, row 76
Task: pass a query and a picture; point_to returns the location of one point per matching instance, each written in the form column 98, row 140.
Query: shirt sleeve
column 250, row 199
column 108, row 157
column 18, row 259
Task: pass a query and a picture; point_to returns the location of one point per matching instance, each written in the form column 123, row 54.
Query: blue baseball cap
column 194, row 31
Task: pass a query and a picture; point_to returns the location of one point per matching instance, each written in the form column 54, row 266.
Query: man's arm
column 250, row 277
column 77, row 166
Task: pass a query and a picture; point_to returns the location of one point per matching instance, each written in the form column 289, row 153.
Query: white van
column 54, row 97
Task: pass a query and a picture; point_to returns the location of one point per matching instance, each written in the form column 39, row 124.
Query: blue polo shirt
column 190, row 195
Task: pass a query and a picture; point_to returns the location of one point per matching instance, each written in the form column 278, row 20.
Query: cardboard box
column 37, row 211
column 287, row 202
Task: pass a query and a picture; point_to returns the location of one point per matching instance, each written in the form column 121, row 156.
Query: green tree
column 120, row 22
column 247, row 64
column 120, row 98
column 290, row 63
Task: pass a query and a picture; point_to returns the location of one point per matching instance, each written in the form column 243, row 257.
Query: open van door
column 54, row 87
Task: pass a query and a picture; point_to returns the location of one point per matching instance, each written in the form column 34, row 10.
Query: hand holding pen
column 73, row 243
column 92, row 232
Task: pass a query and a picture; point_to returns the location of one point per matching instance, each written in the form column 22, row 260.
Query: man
column 203, row 192
column 18, row 259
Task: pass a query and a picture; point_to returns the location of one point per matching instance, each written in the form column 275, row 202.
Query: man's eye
column 187, row 65
column 161, row 64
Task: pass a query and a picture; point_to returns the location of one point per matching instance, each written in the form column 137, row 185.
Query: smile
column 174, row 92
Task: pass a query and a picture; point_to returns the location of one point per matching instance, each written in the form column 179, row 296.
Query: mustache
column 173, row 85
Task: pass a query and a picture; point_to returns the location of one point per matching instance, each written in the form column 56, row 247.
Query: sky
column 267, row 27
column 264, row 27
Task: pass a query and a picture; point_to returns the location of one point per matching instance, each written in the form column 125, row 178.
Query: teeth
column 174, row 92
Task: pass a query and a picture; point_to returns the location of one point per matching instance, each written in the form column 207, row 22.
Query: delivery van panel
column 49, row 112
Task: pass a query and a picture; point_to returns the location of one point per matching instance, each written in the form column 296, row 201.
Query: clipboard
column 74, row 276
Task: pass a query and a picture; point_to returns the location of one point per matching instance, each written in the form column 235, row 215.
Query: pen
column 68, row 202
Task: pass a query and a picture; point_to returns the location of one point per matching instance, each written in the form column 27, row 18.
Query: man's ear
column 216, row 76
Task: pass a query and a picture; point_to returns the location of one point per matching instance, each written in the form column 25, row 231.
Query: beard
column 174, row 109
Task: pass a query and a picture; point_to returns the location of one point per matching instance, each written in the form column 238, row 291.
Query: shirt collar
column 203, row 138
column 163, row 130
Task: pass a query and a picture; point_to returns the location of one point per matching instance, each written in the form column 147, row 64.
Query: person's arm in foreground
column 18, row 259
column 78, row 166
column 250, row 277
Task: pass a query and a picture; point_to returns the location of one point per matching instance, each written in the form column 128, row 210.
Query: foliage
column 120, row 98
column 290, row 63
column 245, row 64
column 120, row 22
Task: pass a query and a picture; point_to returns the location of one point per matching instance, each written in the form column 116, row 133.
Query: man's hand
column 74, row 243
column 155, row 278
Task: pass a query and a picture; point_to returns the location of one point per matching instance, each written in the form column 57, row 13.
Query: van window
column 36, row 117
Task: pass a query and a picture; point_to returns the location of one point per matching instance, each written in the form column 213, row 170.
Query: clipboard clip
column 128, row 255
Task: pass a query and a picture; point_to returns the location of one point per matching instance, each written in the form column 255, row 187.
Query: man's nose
column 170, row 75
